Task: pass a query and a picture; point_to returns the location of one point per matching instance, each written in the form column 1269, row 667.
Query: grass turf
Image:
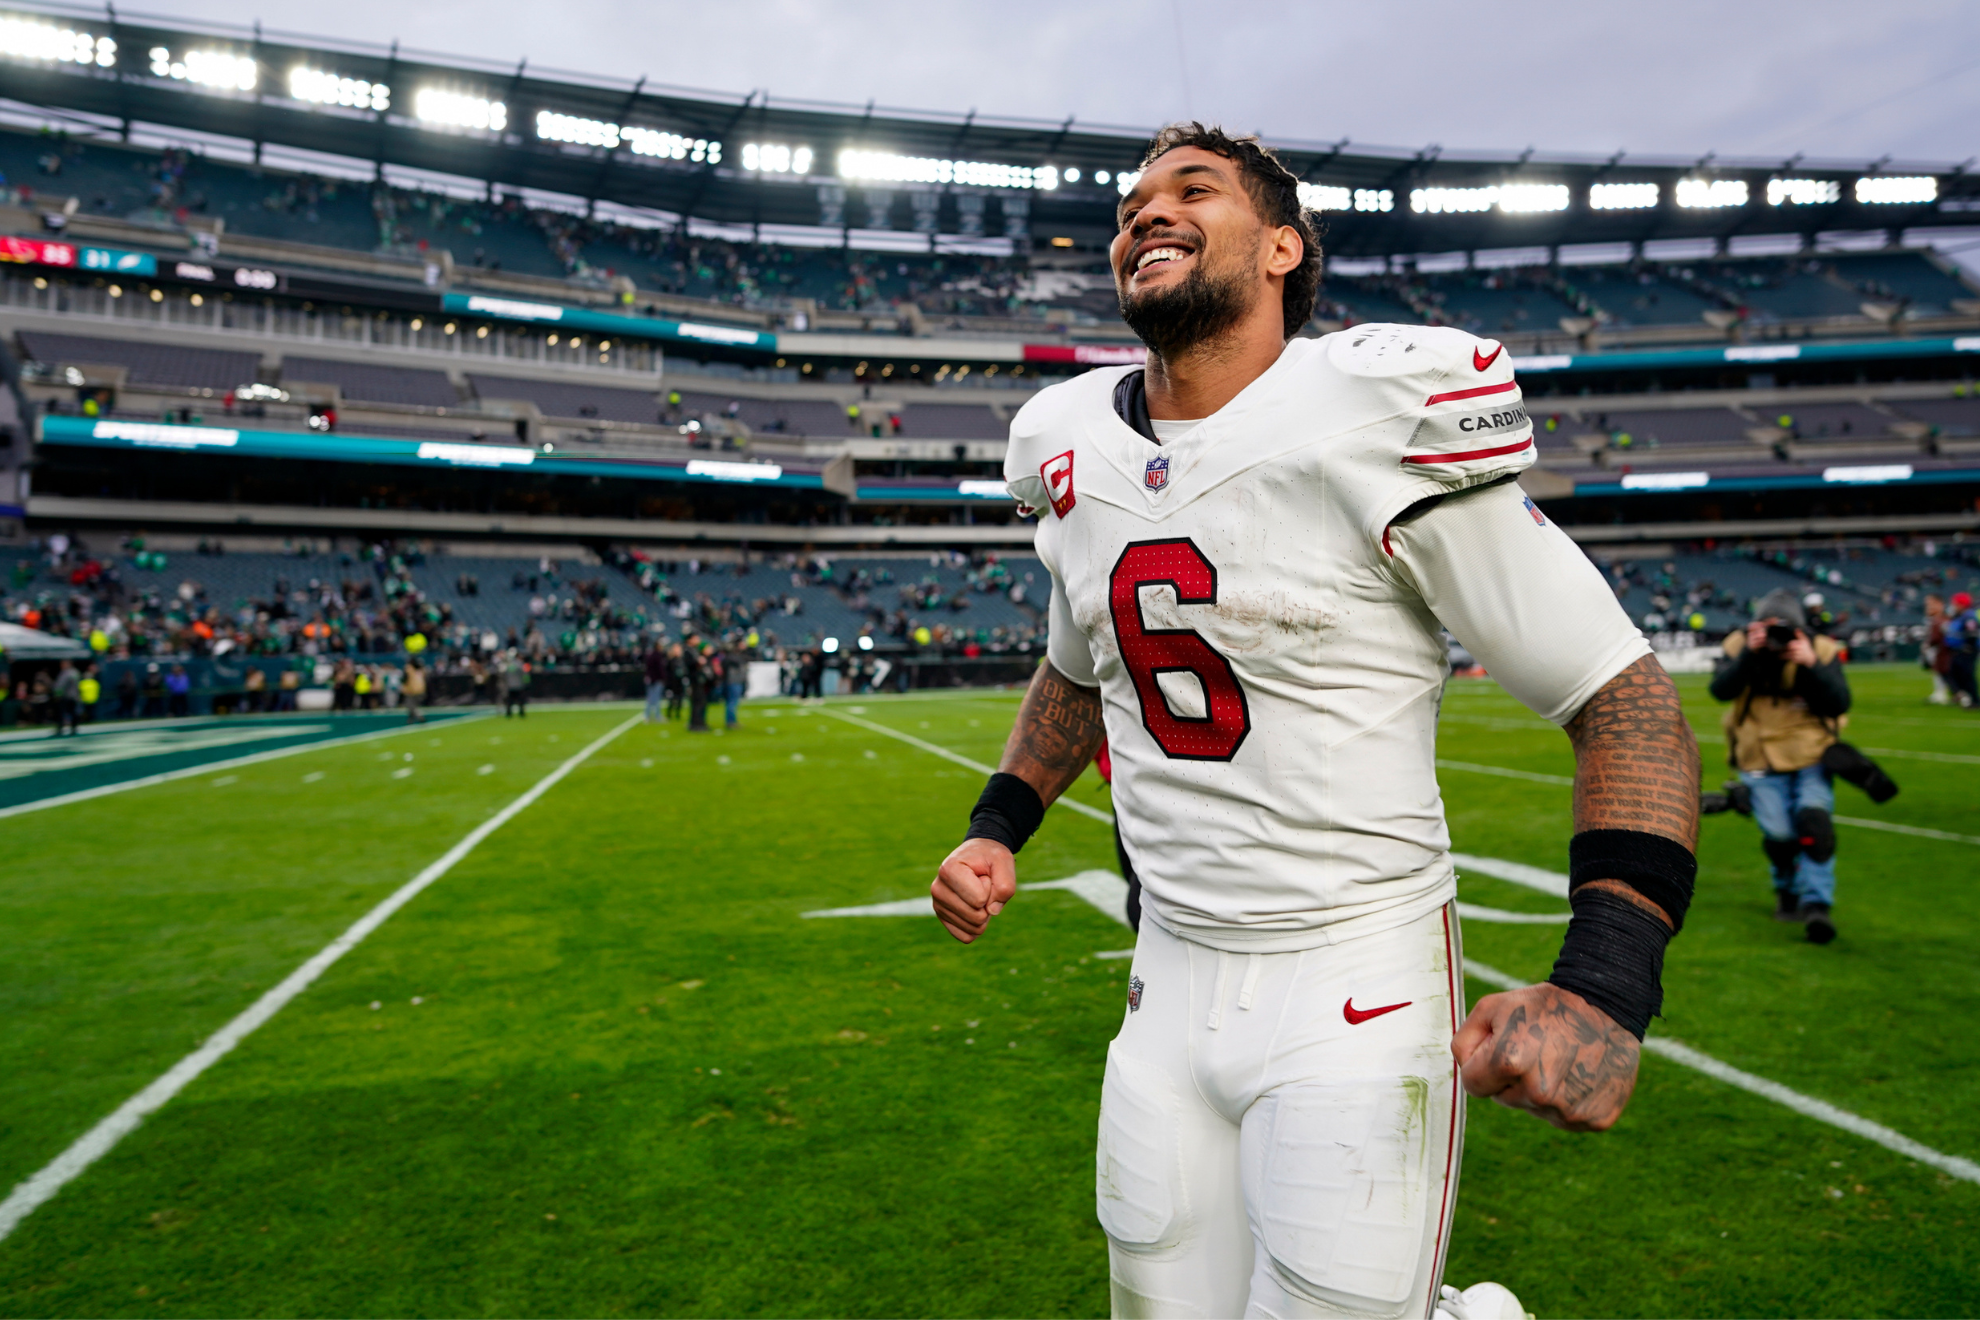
column 636, row 1082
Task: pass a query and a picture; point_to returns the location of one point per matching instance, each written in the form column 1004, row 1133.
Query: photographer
column 1787, row 688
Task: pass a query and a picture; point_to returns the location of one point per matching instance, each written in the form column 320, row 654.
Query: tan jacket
column 1778, row 733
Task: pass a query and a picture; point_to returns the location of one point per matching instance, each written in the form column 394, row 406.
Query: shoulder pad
column 1043, row 432
column 1471, row 420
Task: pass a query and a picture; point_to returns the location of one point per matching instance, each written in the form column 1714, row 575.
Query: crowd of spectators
column 365, row 607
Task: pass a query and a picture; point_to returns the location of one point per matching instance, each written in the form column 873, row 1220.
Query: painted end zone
column 36, row 767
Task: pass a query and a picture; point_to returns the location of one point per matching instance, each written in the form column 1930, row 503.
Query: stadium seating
column 572, row 400
column 1949, row 417
column 1816, row 421
column 1490, row 305
column 801, row 417
column 367, row 382
column 148, row 364
column 1675, row 426
column 1641, row 296
column 1908, row 276
column 952, row 421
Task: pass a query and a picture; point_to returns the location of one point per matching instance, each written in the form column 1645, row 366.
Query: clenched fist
column 972, row 886
column 1550, row 1052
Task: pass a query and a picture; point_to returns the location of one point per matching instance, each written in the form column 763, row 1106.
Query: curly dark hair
column 1274, row 191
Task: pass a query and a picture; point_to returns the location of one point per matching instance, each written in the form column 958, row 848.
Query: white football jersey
column 1268, row 645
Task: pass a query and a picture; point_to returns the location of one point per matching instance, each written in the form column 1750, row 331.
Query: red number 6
column 1151, row 652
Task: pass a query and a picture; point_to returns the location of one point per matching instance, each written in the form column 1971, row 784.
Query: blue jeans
column 654, row 693
column 1777, row 795
column 731, row 694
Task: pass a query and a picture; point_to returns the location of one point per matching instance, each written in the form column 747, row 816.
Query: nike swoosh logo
column 1483, row 362
column 1357, row 1016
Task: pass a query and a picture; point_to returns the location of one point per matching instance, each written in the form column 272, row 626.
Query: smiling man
column 1254, row 543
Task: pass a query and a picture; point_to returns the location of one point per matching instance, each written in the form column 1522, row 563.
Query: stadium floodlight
column 1325, row 197
column 209, row 68
column 1623, row 196
column 672, row 146
column 776, row 158
column 1509, row 198
column 865, row 642
column 1101, row 176
column 1803, row 192
column 1710, row 194
column 434, row 105
column 1072, row 176
column 554, row 127
column 1125, row 181
column 829, row 646
column 1897, row 190
column 1374, row 199
column 26, row 39
column 320, row 88
column 886, row 167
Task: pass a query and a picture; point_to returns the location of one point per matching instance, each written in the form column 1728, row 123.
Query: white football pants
column 1280, row 1132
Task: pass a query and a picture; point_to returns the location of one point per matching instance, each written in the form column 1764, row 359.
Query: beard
column 1195, row 310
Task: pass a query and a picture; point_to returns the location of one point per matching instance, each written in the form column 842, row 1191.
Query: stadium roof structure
column 761, row 161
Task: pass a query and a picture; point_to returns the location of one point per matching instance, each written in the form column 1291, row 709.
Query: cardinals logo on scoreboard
column 1058, row 482
column 1157, row 475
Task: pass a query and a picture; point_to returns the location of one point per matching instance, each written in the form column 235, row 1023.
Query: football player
column 1254, row 544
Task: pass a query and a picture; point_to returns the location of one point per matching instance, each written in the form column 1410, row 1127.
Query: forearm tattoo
column 1058, row 733
column 1636, row 761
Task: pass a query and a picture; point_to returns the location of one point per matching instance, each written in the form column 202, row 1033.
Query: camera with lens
column 1780, row 636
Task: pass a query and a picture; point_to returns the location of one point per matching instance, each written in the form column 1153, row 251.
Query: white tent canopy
column 18, row 643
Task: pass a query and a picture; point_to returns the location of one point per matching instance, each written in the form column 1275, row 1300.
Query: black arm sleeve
column 1824, row 687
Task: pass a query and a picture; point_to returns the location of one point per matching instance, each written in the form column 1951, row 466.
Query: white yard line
column 1861, row 822
column 1916, row 831
column 1503, row 772
column 1820, row 1110
column 1105, row 818
column 99, row 1140
column 188, row 772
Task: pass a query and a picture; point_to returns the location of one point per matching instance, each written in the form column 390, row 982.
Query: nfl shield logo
column 1157, row 475
column 1134, row 994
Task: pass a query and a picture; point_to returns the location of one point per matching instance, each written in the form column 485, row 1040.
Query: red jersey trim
column 1469, row 453
column 1471, row 393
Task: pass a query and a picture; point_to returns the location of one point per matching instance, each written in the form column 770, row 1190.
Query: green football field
column 603, row 1066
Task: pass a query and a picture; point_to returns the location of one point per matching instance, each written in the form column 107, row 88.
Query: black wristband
column 1008, row 812
column 1613, row 957
column 1660, row 869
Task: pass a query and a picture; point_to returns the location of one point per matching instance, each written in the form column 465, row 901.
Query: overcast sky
column 1678, row 77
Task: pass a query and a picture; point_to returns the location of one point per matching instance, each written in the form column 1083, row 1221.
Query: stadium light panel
column 1101, row 176
column 25, row 39
column 1623, row 196
column 1325, row 197
column 1803, row 192
column 320, row 88
column 220, row 69
column 1897, row 190
column 553, row 127
column 1124, row 181
column 1374, row 199
column 1072, row 176
column 432, row 105
column 1509, row 198
column 672, row 146
column 887, row 167
column 776, row 158
column 1710, row 194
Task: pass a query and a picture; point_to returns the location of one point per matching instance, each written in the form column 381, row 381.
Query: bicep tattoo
column 1058, row 733
column 1636, row 760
